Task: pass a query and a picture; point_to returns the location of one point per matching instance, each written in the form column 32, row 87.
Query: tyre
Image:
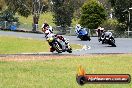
column 88, row 38
column 103, row 41
column 84, row 38
column 113, row 45
column 112, row 39
column 81, row 38
column 57, row 48
column 112, row 42
column 99, row 39
column 69, row 49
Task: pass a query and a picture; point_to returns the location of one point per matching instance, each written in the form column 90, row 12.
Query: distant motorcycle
column 108, row 40
column 83, row 34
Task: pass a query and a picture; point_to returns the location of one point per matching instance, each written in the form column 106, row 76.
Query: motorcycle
column 108, row 40
column 65, row 46
column 55, row 45
column 59, row 45
column 83, row 34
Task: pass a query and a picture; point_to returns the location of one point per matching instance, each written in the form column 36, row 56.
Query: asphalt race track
column 124, row 45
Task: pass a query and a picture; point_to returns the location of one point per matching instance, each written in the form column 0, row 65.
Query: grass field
column 13, row 45
column 27, row 22
column 61, row 73
column 45, row 17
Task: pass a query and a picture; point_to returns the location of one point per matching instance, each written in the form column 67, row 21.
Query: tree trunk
column 35, row 23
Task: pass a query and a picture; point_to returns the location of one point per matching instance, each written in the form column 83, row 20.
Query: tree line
column 91, row 13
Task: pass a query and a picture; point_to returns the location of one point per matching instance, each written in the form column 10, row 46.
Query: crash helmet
column 78, row 26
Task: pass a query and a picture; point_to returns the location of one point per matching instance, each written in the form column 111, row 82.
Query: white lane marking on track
column 84, row 47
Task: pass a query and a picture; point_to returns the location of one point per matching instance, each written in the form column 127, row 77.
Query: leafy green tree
column 93, row 14
column 77, row 5
column 107, row 6
column 121, row 8
column 2, row 4
column 25, row 7
column 28, row 7
column 8, row 16
column 20, row 6
column 105, row 3
column 121, row 12
column 110, row 24
column 112, row 2
column 63, row 12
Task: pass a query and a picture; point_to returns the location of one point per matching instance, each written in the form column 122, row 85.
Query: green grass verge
column 27, row 22
column 13, row 45
column 46, row 17
column 62, row 73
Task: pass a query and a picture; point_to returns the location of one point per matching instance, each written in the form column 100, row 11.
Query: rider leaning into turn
column 107, row 34
column 77, row 28
column 49, row 34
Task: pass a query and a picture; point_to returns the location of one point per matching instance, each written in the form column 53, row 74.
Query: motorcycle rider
column 46, row 26
column 48, row 34
column 61, row 43
column 82, row 32
column 99, row 32
column 77, row 28
column 106, row 34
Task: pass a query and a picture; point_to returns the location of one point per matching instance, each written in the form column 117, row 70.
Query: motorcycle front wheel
column 112, row 42
column 57, row 48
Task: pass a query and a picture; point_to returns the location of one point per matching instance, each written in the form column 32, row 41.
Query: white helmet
column 78, row 26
